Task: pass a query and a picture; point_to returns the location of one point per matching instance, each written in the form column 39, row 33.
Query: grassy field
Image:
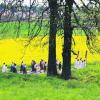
column 14, row 29
column 85, row 85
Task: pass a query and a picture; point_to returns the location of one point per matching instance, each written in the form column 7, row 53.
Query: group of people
column 40, row 67
column 79, row 63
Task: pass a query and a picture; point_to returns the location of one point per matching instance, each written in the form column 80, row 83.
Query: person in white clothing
column 76, row 63
column 80, row 63
column 4, row 68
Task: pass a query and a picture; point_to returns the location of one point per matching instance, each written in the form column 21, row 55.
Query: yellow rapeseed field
column 14, row 50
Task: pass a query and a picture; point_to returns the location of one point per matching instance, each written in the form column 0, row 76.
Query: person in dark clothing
column 45, row 66
column 41, row 65
column 11, row 69
column 24, row 69
column 14, row 68
column 32, row 66
column 21, row 67
column 59, row 66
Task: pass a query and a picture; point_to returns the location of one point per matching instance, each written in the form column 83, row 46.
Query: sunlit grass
column 85, row 85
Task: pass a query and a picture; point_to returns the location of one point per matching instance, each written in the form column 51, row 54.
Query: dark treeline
column 7, row 9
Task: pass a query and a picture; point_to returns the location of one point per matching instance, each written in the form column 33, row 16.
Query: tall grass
column 85, row 85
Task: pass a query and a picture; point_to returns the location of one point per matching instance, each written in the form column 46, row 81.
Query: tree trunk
column 66, row 70
column 52, row 70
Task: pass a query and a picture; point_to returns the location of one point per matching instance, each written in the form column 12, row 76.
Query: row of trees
column 36, row 8
column 68, row 31
column 64, row 13
column 66, row 70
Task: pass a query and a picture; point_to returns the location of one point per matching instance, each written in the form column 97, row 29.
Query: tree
column 66, row 70
column 92, row 41
column 52, row 70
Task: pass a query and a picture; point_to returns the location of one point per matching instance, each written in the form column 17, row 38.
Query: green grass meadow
column 84, row 85
column 15, row 29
